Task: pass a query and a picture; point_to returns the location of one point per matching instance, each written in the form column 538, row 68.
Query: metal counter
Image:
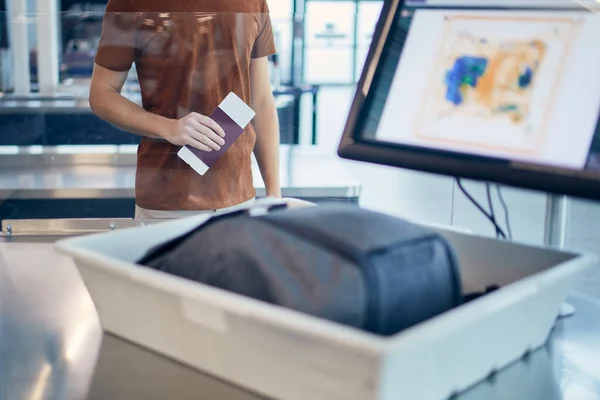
column 102, row 182
column 67, row 119
column 52, row 347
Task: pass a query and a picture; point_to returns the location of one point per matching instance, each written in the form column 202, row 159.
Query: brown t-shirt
column 189, row 54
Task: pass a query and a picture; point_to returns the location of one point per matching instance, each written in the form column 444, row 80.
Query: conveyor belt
column 50, row 230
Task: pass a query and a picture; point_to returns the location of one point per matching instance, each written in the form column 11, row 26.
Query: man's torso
column 189, row 55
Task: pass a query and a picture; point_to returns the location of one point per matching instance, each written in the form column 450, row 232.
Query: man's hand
column 197, row 131
column 106, row 101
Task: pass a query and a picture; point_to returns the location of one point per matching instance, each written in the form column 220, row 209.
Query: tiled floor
column 434, row 199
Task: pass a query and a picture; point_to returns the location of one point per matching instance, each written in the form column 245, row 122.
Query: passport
column 233, row 115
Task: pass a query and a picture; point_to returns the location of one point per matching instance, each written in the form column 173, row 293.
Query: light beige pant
column 142, row 213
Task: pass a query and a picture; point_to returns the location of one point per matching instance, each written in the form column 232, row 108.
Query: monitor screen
column 506, row 91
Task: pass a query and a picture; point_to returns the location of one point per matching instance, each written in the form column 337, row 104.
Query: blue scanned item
column 466, row 71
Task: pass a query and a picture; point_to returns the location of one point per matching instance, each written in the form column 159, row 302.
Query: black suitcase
column 340, row 262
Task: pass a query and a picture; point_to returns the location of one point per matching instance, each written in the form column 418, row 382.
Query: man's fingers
column 207, row 121
column 207, row 131
column 198, row 145
column 202, row 137
column 214, row 126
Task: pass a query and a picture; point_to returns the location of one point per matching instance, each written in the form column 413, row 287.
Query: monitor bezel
column 353, row 145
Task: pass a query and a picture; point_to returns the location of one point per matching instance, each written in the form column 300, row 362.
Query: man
column 189, row 54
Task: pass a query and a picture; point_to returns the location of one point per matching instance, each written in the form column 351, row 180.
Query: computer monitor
column 501, row 91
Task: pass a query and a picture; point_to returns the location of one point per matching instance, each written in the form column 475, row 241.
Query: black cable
column 488, row 190
column 499, row 230
column 506, row 212
column 462, row 189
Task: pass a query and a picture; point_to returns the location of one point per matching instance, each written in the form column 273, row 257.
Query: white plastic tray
column 288, row 355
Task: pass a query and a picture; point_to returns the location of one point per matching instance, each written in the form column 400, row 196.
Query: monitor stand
column 555, row 233
column 557, row 218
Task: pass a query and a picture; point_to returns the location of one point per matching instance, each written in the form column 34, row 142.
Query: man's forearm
column 112, row 107
column 266, row 124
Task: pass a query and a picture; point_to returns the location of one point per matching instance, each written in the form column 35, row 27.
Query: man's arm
column 107, row 103
column 266, row 124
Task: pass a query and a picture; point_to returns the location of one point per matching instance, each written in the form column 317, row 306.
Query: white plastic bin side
column 231, row 337
column 287, row 355
column 466, row 345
